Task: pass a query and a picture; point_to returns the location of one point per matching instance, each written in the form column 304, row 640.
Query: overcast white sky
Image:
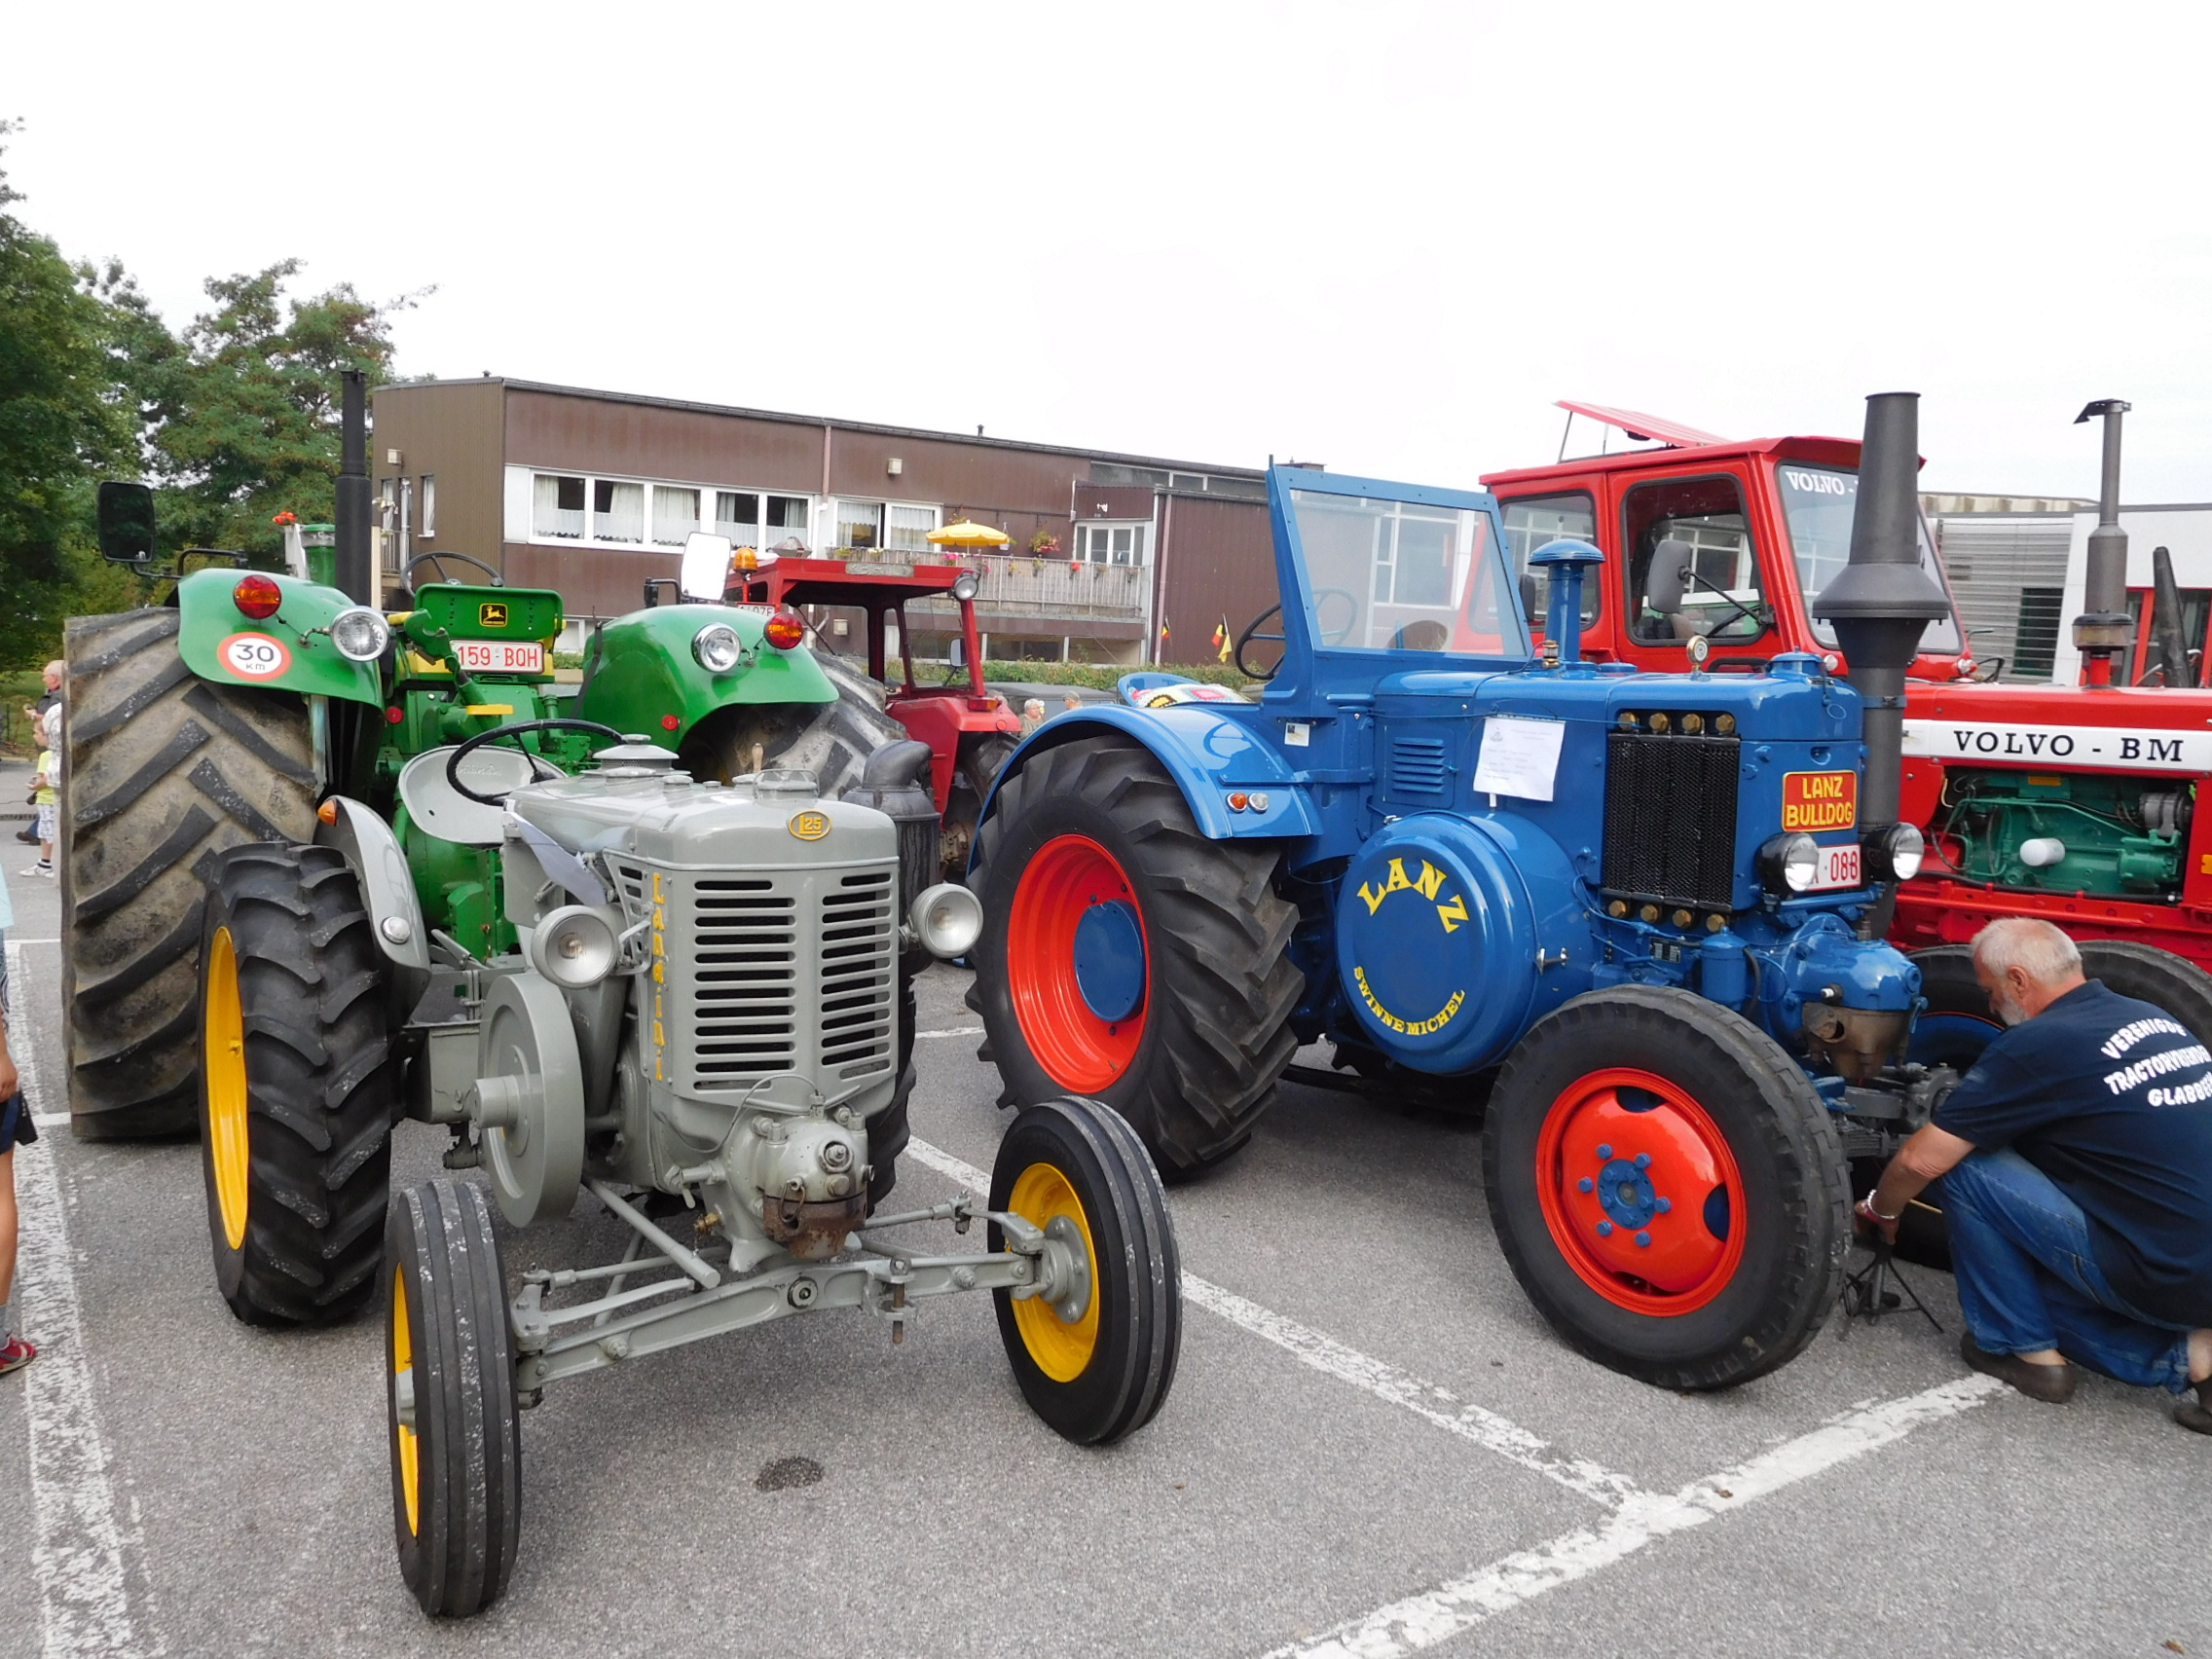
column 1383, row 236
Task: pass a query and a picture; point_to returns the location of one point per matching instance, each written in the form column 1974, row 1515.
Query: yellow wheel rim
column 222, row 1057
column 1062, row 1349
column 409, row 1446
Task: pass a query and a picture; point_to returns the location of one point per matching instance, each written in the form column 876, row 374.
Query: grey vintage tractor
column 702, row 1027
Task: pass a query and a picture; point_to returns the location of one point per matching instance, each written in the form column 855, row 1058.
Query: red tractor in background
column 2076, row 803
column 970, row 730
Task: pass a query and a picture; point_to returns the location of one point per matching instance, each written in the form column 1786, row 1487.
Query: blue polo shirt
column 2112, row 1098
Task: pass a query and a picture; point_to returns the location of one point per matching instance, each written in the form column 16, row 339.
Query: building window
column 557, row 507
column 907, row 530
column 2035, row 642
column 737, row 515
column 430, row 503
column 618, row 510
column 859, row 524
column 675, row 514
column 789, row 519
column 1110, row 543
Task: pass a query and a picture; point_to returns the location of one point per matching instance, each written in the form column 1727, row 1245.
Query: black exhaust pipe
column 2103, row 630
column 356, row 572
column 1883, row 601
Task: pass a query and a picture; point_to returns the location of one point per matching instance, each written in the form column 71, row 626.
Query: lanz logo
column 492, row 614
column 809, row 826
column 1820, row 801
column 1452, row 913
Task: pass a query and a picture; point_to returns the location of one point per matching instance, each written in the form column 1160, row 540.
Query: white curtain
column 675, row 514
column 908, row 529
column 621, row 514
column 737, row 515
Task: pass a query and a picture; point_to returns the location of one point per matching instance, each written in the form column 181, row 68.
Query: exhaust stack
column 2103, row 629
column 356, row 575
column 1882, row 601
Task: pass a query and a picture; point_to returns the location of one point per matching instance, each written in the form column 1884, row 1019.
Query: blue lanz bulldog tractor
column 1641, row 913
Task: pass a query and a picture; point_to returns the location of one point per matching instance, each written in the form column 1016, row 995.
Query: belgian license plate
column 502, row 656
column 1839, row 868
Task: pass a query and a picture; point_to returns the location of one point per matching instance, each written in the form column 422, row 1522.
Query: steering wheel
column 1328, row 636
column 539, row 766
column 407, row 571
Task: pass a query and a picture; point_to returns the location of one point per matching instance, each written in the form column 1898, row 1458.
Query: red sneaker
column 14, row 1355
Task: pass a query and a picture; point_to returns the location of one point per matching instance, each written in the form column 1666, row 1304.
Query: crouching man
column 2076, row 1162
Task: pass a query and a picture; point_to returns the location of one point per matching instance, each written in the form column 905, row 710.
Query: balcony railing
column 1017, row 585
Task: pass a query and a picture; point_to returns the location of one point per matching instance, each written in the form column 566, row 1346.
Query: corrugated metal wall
column 2008, row 574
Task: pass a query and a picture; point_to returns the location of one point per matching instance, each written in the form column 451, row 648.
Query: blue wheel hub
column 1109, row 959
column 1623, row 1190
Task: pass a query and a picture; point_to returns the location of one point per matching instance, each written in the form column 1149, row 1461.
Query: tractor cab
column 1706, row 538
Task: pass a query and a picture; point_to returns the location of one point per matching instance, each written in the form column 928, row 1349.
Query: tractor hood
column 640, row 674
column 663, row 819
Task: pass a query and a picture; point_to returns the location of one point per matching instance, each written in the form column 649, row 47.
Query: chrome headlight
column 359, row 634
column 1895, row 852
column 718, row 647
column 965, row 584
column 1789, row 863
column 947, row 919
column 574, row 947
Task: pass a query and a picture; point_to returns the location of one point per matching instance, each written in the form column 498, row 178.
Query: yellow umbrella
column 968, row 534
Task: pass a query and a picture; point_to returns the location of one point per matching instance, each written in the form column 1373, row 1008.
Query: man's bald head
column 2025, row 965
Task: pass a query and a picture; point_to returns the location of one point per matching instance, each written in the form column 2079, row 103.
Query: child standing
column 50, row 740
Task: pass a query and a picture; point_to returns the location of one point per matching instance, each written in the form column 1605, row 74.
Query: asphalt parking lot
column 1373, row 1447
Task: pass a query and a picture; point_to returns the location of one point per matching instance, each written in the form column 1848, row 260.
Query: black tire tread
column 318, row 1086
column 1223, row 981
column 1814, row 1222
column 160, row 772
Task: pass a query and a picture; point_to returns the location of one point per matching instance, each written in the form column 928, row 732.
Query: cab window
column 1692, row 567
column 1534, row 520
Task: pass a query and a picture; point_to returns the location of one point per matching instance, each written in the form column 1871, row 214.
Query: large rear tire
column 831, row 740
column 1667, row 1186
column 296, row 1086
column 1176, row 1013
column 454, row 1426
column 160, row 772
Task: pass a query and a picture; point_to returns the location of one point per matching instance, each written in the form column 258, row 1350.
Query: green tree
column 65, row 417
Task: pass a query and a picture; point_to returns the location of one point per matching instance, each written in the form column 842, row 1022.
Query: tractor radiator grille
column 1670, row 819
column 1417, row 767
column 859, row 934
column 745, row 1009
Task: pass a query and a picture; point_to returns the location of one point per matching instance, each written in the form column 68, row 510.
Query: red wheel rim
column 1633, row 1175
column 1062, row 879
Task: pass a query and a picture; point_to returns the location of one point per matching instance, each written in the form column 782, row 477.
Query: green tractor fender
column 289, row 649
column 643, row 674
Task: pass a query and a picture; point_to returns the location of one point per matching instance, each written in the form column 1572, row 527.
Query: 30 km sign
column 2072, row 747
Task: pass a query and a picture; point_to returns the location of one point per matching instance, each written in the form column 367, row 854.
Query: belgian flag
column 1221, row 639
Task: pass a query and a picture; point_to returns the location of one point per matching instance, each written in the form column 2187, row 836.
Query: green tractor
column 254, row 768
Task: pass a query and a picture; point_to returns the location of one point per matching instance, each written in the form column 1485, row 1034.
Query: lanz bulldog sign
column 2119, row 748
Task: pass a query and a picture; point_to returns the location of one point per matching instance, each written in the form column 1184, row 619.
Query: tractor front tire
column 1667, row 1186
column 296, row 1086
column 161, row 771
column 454, row 1424
column 1128, row 958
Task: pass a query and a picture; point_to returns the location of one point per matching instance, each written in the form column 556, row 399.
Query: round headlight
column 946, row 918
column 359, row 634
column 1900, row 848
column 965, row 584
column 718, row 647
column 1790, row 862
column 575, row 947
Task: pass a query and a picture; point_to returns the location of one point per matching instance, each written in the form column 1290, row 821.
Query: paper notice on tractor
column 1519, row 757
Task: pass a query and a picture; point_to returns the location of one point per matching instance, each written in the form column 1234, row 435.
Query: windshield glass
column 1401, row 577
column 1820, row 502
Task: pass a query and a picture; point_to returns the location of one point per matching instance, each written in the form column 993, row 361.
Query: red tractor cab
column 2070, row 802
column 970, row 730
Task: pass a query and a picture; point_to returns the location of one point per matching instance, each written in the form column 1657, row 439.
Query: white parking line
column 954, row 1031
column 82, row 1539
column 1422, row 1621
column 1386, row 1381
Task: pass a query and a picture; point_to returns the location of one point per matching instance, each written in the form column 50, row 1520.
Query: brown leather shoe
column 2053, row 1384
column 2196, row 1415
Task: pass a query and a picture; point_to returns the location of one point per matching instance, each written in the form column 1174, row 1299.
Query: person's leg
column 2111, row 1339
column 2005, row 1217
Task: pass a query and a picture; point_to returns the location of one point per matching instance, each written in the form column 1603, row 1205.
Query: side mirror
column 1668, row 580
column 126, row 523
column 705, row 571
